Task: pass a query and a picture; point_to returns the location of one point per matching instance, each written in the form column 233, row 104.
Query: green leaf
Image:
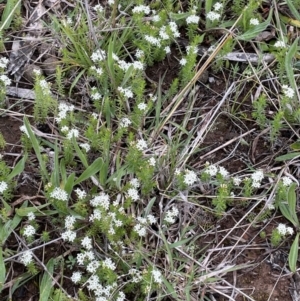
column 180, row 243
column 289, row 156
column 80, row 154
column 285, row 211
column 46, row 286
column 2, row 270
column 293, row 9
column 295, row 146
column 291, row 198
column 253, row 32
column 10, row 8
column 293, row 255
column 289, row 64
column 70, row 183
column 18, row 168
column 90, row 171
column 24, row 211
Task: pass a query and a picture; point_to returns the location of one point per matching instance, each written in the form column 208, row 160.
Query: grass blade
column 2, row 270
column 18, row 168
column 46, row 283
column 293, row 255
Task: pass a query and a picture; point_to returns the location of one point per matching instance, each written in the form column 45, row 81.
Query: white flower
column 125, row 122
column 211, row 170
column 26, row 257
column 142, row 106
column 85, row 146
column 223, row 172
column 98, row 8
column 76, row 277
column 288, row 91
column 157, row 276
column 171, row 215
column 152, row 40
column 163, row 34
column 93, row 283
column 138, row 65
column 68, row 235
column 141, row 144
column 192, row 49
column 80, row 193
column 69, row 222
column 213, row 16
column 236, row 181
column 3, row 62
column 98, row 56
column 281, row 229
column 3, row 186
column 121, row 297
column 190, row 177
column 151, row 218
column 286, row 181
column 93, row 266
column 65, row 129
column 255, row 184
column 133, row 194
column 289, row 230
column 72, row 133
column 37, row 72
column 257, row 176
column 140, row 230
column 135, row 183
column 99, row 71
column 167, row 49
column 101, row 200
column 254, row 21
column 111, row 2
column 174, row 29
column 59, row 194
column 156, row 18
column 183, row 62
column 95, row 216
column 31, row 216
column 126, row 92
column 280, row 44
column 29, row 231
column 87, row 243
column 152, row 161
column 218, row 6
column 141, row 9
column 192, row 19
column 108, row 263
column 6, row 81
column 139, row 53
column 96, row 96
column 271, row 206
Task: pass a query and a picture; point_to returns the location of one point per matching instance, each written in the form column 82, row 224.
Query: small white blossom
column 236, row 181
column 3, row 62
column 167, row 49
column 135, row 183
column 288, row 91
column 289, row 230
column 65, row 129
column 213, row 16
column 174, row 29
column 95, row 216
column 281, row 229
column 121, row 296
column 254, row 21
column 76, row 277
column 108, row 263
column 6, row 81
column 183, row 62
column 156, row 18
column 257, row 176
column 111, row 2
column 98, row 56
column 151, row 218
column 163, row 34
column 81, row 194
column 141, row 9
column 72, row 133
column 152, row 161
column 94, row 283
column 152, row 40
column 98, row 70
column 101, row 200
column 286, row 181
column 192, row 49
column 68, row 235
column 271, row 206
column 139, row 53
column 59, row 194
column 223, row 172
column 86, row 242
column 141, row 144
column 133, row 194
column 218, row 6
column 193, row 19
column 280, row 44
column 142, row 106
column 140, row 230
column 3, row 186
column 211, row 170
column 190, row 177
column 171, row 215
column 125, row 122
column 138, row 65
column 29, row 231
column 85, row 146
column 126, row 92
column 69, row 222
column 157, row 277
column 98, row 8
column 31, row 216
column 26, row 257
column 93, row 266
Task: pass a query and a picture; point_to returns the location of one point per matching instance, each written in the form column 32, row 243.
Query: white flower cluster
column 157, row 277
column 31, row 216
column 236, row 181
column 142, row 106
column 101, row 200
column 85, row 256
column 136, row 275
column 76, row 277
column 284, row 230
column 70, row 221
column 69, row 234
column 280, row 44
column 96, row 215
column 5, row 80
column 218, row 6
column 286, row 181
column 29, row 231
column 214, row 15
column 141, row 144
column 257, row 177
column 183, row 61
column 59, row 194
column 72, row 133
column 133, row 194
column 125, row 122
column 3, row 62
column 95, row 94
column 141, row 9
column 190, row 177
column 98, row 8
column 81, row 194
column 3, row 186
column 63, row 108
column 152, row 40
column 85, row 146
column 171, row 215
column 254, row 21
column 191, row 49
column 26, row 257
column 139, row 53
column 135, row 183
column 126, row 92
column 141, row 227
column 192, row 19
column 86, row 242
column 212, row 170
column 98, row 56
column 109, row 264
column 288, row 91
column 98, row 70
column 152, row 161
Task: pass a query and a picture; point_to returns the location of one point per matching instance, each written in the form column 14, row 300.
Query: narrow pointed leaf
column 293, row 255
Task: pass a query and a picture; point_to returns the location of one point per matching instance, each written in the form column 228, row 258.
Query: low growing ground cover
column 149, row 150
